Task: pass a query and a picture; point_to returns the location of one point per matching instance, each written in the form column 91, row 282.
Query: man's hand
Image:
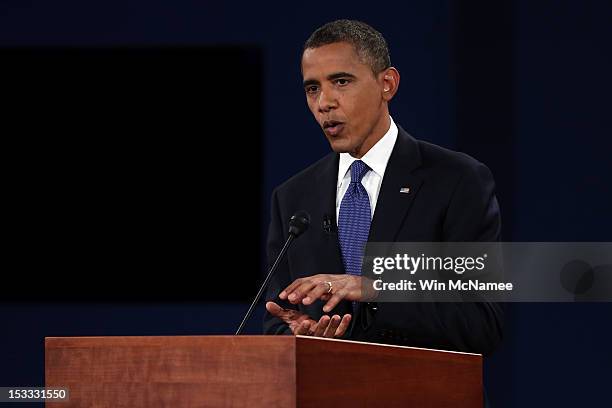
column 302, row 324
column 330, row 288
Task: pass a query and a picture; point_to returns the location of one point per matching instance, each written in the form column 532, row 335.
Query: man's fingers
column 300, row 287
column 318, row 291
column 300, row 291
column 289, row 292
column 274, row 309
column 296, row 285
column 283, row 295
column 287, row 315
column 322, row 326
column 299, row 322
column 334, row 300
column 344, row 324
column 333, row 325
column 303, row 328
column 325, row 327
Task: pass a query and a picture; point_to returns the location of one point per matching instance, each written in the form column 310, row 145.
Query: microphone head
column 299, row 223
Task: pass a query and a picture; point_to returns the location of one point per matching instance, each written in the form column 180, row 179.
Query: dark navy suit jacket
column 451, row 198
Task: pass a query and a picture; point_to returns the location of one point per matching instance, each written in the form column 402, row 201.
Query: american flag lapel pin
column 405, row 190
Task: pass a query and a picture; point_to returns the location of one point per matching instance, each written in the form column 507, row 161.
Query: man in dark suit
column 379, row 185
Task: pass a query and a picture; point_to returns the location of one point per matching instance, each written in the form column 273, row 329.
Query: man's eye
column 342, row 81
column 311, row 89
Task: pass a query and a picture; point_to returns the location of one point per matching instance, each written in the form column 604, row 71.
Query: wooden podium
column 257, row 371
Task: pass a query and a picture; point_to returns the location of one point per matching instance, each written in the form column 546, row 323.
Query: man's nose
column 327, row 101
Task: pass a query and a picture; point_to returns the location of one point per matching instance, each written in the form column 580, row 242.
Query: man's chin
column 339, row 146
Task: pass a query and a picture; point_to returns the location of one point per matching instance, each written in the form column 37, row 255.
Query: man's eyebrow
column 330, row 77
column 309, row 82
column 337, row 75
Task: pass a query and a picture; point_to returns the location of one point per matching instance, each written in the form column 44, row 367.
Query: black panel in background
column 482, row 46
column 129, row 173
column 483, row 56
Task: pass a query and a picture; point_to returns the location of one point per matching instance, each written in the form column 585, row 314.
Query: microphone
column 298, row 224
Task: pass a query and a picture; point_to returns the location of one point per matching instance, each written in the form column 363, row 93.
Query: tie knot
column 358, row 170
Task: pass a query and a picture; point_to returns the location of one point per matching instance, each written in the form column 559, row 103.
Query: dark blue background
column 523, row 86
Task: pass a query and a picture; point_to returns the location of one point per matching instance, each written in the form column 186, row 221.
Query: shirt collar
column 376, row 158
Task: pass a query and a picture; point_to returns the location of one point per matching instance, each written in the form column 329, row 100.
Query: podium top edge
column 389, row 345
column 187, row 339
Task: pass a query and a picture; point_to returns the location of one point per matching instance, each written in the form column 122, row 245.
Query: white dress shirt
column 376, row 158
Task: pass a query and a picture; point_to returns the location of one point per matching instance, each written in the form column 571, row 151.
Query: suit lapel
column 327, row 179
column 398, row 190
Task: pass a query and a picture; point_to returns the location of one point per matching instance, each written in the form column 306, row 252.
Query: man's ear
column 390, row 81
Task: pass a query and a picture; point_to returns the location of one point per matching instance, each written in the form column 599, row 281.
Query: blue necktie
column 354, row 221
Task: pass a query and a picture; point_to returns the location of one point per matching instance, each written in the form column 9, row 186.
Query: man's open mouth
column 332, row 127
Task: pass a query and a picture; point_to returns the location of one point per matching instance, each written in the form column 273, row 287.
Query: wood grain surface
column 257, row 371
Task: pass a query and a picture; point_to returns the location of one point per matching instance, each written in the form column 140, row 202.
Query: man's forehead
column 331, row 58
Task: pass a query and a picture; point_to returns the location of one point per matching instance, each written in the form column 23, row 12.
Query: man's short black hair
column 369, row 44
